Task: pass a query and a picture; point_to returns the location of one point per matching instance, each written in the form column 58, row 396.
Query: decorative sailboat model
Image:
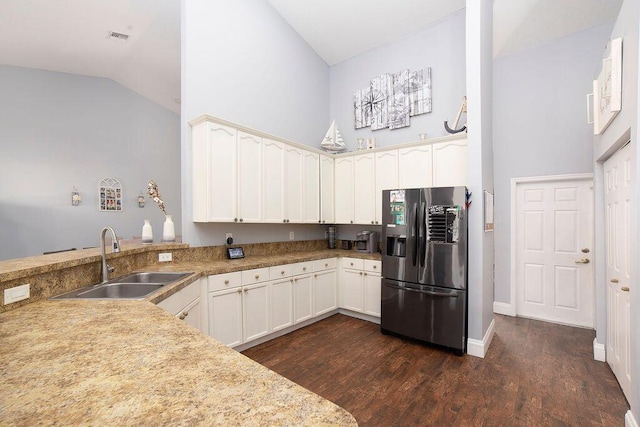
column 333, row 140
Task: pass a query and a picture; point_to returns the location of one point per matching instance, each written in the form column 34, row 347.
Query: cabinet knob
column 361, row 273
column 239, row 290
column 375, row 266
column 319, row 222
column 351, row 221
column 326, row 264
column 352, row 264
column 226, row 282
column 235, row 219
column 240, row 219
column 257, row 276
column 315, row 275
column 372, row 222
column 304, row 268
column 376, row 222
column 614, row 280
column 295, row 280
column 282, row 272
column 284, row 220
column 624, row 289
column 183, row 315
column 291, row 280
column 364, row 274
column 246, row 290
column 323, row 222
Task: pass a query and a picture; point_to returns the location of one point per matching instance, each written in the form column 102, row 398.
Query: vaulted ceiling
column 71, row 35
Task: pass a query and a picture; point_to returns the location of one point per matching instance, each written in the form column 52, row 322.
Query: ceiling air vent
column 117, row 36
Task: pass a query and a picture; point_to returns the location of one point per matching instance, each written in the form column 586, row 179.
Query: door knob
column 614, row 280
column 583, row 261
column 625, row 288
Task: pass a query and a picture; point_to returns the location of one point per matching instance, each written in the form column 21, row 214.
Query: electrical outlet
column 17, row 293
column 291, row 235
column 165, row 257
column 228, row 235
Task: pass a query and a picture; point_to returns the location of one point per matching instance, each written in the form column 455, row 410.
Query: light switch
column 16, row 294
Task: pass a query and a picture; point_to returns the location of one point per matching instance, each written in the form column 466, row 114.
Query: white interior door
column 554, row 238
column 618, row 173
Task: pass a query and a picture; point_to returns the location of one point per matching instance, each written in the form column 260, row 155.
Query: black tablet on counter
column 235, row 253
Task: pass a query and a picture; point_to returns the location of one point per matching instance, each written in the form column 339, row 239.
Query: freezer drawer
column 427, row 313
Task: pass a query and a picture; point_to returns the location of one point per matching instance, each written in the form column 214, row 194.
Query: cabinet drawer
column 225, row 281
column 356, row 263
column 256, row 275
column 301, row 268
column 324, row 264
column 373, row 266
column 280, row 271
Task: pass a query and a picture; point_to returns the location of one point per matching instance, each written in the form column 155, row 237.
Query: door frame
column 513, row 230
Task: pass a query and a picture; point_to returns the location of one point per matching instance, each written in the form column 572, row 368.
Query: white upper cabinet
column 364, row 178
column 414, row 166
column 293, row 184
column 326, row 189
column 311, row 187
column 450, row 163
column 214, row 173
column 273, row 180
column 386, row 177
column 344, row 190
column 249, row 177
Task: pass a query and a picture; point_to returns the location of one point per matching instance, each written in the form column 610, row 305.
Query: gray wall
column 242, row 62
column 540, row 124
column 62, row 130
column 440, row 45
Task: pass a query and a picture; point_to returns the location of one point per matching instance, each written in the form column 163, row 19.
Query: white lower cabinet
column 225, row 316
column 255, row 311
column 186, row 305
column 361, row 286
column 281, row 304
column 324, row 286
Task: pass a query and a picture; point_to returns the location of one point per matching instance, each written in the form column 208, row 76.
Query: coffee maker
column 367, row 241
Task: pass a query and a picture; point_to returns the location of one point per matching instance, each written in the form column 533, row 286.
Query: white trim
column 479, row 348
column 629, row 420
column 514, row 199
column 504, row 308
column 599, row 352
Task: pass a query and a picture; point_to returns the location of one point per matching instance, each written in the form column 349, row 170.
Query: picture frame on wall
column 607, row 88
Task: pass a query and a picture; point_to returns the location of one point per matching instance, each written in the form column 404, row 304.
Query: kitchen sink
column 131, row 286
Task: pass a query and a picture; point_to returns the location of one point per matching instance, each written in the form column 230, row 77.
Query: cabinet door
column 344, row 190
column 249, row 178
column 293, row 184
column 326, row 189
column 273, row 180
column 372, row 290
column 281, row 304
column 255, row 311
column 311, row 187
column 225, row 316
column 302, row 298
column 192, row 314
column 415, row 167
column 353, row 290
column 364, row 211
column 214, row 173
column 450, row 163
column 386, row 178
column 324, row 292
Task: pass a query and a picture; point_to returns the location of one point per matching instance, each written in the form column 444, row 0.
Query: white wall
column 623, row 128
column 540, row 123
column 479, row 41
column 61, row 130
column 243, row 63
column 440, row 45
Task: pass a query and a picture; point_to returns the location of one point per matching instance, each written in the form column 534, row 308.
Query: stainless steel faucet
column 106, row 269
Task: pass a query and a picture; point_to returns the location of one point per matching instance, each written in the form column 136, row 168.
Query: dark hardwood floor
column 535, row 373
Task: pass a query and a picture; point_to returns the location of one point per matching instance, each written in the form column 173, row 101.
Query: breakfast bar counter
column 71, row 362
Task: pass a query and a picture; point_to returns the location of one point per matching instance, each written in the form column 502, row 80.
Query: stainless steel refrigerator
column 424, row 265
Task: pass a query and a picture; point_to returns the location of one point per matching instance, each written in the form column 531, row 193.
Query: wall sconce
column 76, row 198
column 141, row 200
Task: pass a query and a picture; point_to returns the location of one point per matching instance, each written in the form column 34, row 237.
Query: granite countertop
column 130, row 362
column 71, row 362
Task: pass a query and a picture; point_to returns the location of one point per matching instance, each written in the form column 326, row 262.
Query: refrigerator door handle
column 422, row 229
column 436, row 294
column 414, row 236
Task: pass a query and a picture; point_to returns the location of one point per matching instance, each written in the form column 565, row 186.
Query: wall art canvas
column 420, row 91
column 391, row 99
column 607, row 89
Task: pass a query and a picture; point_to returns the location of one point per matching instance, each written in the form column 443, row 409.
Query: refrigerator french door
column 424, row 265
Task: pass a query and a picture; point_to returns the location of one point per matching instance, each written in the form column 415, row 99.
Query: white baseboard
column 599, row 352
column 504, row 308
column 479, row 348
column 629, row 421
